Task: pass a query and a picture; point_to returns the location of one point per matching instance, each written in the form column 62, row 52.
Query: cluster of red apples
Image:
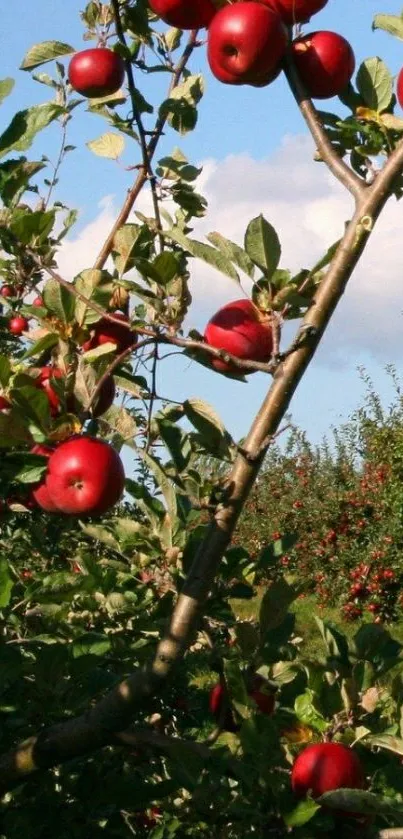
column 247, row 41
column 319, row 768
column 84, row 475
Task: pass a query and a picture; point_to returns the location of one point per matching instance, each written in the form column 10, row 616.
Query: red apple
column 105, row 398
column 240, row 329
column 322, row 767
column 17, row 325
column 399, row 88
column 184, row 14
column 246, row 42
column 39, row 492
column 7, row 291
column 38, row 302
column 4, row 404
column 85, row 476
column 218, row 696
column 264, row 701
column 105, row 332
column 43, row 382
column 325, row 63
column 296, row 11
column 96, row 72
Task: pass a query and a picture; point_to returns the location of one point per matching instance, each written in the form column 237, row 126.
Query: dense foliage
column 89, row 582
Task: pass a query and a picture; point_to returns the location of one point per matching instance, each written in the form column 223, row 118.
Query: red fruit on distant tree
column 4, row 404
column 40, row 493
column 96, row 72
column 245, row 44
column 240, row 329
column 85, row 476
column 106, row 331
column 184, row 14
column 17, row 325
column 296, row 11
column 325, row 63
column 323, row 767
column 38, row 302
column 43, row 382
column 7, row 291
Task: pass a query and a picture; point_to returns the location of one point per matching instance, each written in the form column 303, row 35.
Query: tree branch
column 336, row 164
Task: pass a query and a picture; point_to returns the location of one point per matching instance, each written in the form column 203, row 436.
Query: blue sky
column 237, row 127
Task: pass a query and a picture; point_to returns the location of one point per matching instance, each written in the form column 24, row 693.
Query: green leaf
column 359, row 801
column 46, row 343
column 59, row 301
column 234, row 252
column 6, row 86
column 46, row 51
column 94, row 285
column 25, row 125
column 393, row 24
column 386, row 741
column 375, row 84
column 209, row 425
column 205, row 252
column 307, row 713
column 6, row 584
column 108, row 145
column 32, row 227
column 5, row 370
column 91, row 644
column 262, row 245
column 274, row 605
column 15, row 176
column 302, row 813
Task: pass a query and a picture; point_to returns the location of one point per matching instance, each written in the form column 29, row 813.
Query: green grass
column 305, row 610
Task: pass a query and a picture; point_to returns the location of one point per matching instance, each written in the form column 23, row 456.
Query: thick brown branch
column 142, row 177
column 329, row 155
column 115, row 711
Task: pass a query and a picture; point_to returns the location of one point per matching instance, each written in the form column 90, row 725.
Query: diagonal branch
column 333, row 161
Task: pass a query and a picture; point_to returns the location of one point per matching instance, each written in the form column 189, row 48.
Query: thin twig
column 136, row 116
column 329, row 155
column 141, row 179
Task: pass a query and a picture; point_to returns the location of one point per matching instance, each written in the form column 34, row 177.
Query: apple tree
column 135, row 700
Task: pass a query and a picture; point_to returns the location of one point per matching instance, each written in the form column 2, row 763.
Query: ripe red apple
column 184, row 14
column 17, row 325
column 296, row 11
column 218, row 696
column 7, row 291
column 43, row 382
column 399, row 88
column 322, row 767
column 105, row 398
column 105, row 332
column 96, row 72
column 39, row 492
column 85, row 476
column 264, row 701
column 246, row 42
column 38, row 302
column 239, row 328
column 325, row 63
column 4, row 404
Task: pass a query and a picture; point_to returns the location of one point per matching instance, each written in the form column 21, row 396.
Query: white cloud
column 308, row 208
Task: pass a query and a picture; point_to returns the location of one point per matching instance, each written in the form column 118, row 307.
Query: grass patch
column 305, row 610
